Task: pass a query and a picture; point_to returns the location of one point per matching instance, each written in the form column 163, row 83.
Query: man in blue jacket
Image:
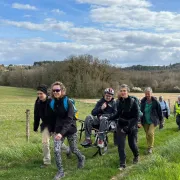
column 104, row 108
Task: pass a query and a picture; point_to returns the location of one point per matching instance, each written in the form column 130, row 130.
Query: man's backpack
column 137, row 101
column 65, row 102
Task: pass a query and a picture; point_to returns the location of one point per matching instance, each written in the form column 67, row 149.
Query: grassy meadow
column 20, row 160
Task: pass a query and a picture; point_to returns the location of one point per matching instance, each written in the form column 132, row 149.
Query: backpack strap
column 132, row 102
column 65, row 102
column 165, row 104
column 52, row 104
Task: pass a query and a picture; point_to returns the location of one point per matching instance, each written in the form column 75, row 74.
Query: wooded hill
column 87, row 77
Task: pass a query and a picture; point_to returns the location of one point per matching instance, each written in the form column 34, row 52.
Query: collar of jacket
column 145, row 99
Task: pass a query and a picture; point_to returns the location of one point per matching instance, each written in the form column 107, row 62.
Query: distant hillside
column 86, row 76
column 153, row 68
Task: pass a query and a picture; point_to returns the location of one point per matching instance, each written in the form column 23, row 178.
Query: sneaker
column 150, row 151
column 122, row 168
column 68, row 153
column 100, row 143
column 135, row 160
column 86, row 142
column 59, row 175
column 81, row 162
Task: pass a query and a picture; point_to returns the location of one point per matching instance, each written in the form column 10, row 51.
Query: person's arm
column 168, row 108
column 160, row 114
column 68, row 120
column 36, row 116
column 97, row 110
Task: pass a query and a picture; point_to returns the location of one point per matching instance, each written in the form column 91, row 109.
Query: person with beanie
column 43, row 111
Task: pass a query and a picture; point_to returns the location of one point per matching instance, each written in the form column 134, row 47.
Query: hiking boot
column 100, row 143
column 135, row 160
column 81, row 162
column 86, row 142
column 68, row 153
column 150, row 151
column 59, row 175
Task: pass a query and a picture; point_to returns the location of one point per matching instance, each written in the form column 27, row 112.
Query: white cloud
column 138, row 3
column 132, row 14
column 119, row 47
column 57, row 11
column 135, row 18
column 121, row 39
column 49, row 24
column 24, row 6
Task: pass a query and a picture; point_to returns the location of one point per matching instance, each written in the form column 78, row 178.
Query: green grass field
column 20, row 160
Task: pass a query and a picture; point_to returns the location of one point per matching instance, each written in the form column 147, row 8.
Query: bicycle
column 100, row 150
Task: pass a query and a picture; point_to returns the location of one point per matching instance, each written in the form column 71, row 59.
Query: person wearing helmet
column 104, row 108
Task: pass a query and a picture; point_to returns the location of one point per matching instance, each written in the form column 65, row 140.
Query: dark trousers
column 121, row 141
column 178, row 120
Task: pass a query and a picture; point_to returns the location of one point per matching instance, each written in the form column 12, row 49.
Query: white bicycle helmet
column 109, row 91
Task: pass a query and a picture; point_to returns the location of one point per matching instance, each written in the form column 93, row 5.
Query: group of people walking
column 128, row 111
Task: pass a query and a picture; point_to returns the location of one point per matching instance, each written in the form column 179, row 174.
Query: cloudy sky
column 126, row 32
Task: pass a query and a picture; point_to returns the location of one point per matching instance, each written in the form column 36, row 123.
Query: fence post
column 169, row 103
column 27, row 124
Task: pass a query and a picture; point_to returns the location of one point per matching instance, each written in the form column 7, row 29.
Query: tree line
column 86, row 76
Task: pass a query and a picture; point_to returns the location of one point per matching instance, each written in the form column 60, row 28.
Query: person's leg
column 46, row 148
column 150, row 134
column 72, row 139
column 121, row 139
column 146, row 128
column 178, row 121
column 58, row 159
column 115, row 138
column 88, row 125
column 132, row 140
column 66, row 149
column 103, row 127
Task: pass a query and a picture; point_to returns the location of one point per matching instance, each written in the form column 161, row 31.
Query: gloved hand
column 125, row 130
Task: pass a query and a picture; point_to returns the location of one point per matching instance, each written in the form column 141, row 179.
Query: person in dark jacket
column 105, row 107
column 43, row 112
column 152, row 116
column 127, row 115
column 65, row 126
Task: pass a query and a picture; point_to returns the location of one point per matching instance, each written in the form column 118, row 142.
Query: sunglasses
column 56, row 90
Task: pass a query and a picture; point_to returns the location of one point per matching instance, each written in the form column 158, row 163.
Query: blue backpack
column 65, row 102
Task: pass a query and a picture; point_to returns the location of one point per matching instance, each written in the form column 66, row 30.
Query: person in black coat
column 65, row 126
column 127, row 115
column 43, row 112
